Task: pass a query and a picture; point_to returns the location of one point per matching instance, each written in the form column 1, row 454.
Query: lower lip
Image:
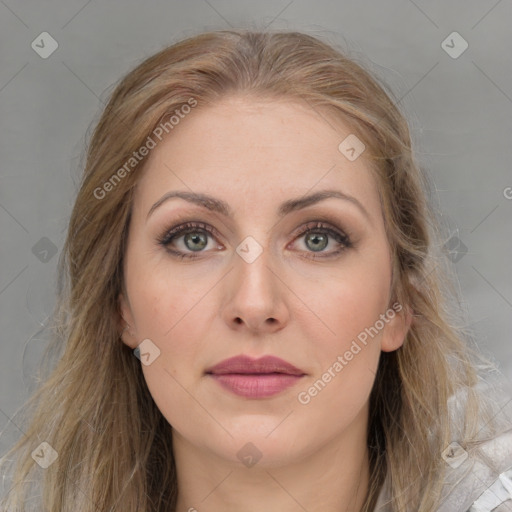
column 256, row 385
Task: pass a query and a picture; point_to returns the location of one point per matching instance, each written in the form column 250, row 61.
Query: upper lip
column 246, row 364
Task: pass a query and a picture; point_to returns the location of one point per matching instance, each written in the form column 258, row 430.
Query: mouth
column 255, row 378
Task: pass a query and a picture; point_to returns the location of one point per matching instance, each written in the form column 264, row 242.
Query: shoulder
column 483, row 481
column 497, row 497
column 480, row 489
column 478, row 475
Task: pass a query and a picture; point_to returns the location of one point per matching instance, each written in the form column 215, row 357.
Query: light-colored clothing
column 471, row 484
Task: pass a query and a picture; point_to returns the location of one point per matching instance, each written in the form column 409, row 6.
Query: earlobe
column 125, row 323
column 396, row 329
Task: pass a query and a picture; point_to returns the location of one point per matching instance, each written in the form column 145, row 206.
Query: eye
column 317, row 236
column 195, row 238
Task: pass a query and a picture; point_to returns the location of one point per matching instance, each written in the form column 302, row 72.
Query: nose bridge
column 252, row 268
column 255, row 292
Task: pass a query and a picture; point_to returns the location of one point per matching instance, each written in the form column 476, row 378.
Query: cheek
column 346, row 334
column 176, row 322
column 178, row 326
column 160, row 299
column 171, row 311
column 346, row 355
column 347, row 303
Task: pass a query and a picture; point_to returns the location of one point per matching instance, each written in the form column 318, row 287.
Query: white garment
column 499, row 493
column 472, row 485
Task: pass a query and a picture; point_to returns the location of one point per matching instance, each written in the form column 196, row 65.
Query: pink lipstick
column 255, row 378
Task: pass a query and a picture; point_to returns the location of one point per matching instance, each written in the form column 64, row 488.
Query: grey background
column 460, row 111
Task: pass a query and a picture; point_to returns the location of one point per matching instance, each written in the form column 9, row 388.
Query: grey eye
column 318, row 241
column 198, row 241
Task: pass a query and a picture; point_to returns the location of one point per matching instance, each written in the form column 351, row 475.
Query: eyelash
column 311, row 227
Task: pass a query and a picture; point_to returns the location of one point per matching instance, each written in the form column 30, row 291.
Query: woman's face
column 258, row 284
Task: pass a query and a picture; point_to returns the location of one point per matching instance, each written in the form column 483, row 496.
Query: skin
column 255, row 154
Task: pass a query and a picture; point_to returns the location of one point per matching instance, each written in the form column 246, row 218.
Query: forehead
column 246, row 150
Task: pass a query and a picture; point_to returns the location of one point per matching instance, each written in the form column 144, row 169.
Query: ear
column 126, row 322
column 397, row 326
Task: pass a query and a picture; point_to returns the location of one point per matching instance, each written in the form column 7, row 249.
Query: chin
column 257, row 442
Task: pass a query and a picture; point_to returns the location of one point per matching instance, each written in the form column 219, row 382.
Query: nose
column 255, row 296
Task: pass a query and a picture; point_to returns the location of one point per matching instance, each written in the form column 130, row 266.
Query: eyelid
column 183, row 221
column 333, row 222
column 180, row 229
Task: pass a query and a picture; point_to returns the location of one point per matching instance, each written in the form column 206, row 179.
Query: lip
column 255, row 378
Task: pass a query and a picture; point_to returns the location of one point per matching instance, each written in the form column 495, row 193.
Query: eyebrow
column 219, row 206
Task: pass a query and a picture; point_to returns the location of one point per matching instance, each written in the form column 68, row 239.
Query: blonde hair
column 113, row 444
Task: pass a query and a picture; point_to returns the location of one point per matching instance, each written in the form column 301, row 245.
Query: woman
column 254, row 317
